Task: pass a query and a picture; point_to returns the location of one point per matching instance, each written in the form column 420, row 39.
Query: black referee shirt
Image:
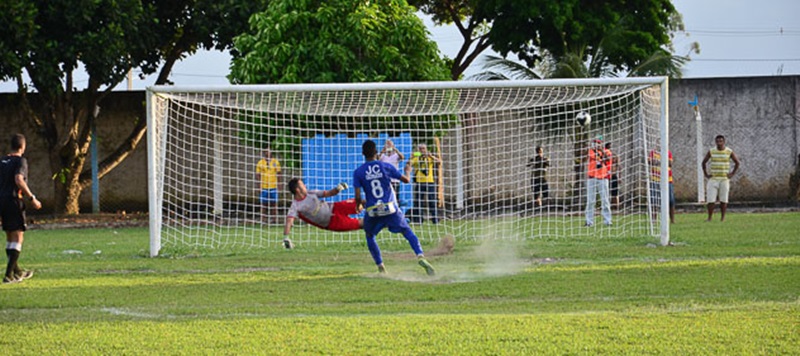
column 10, row 166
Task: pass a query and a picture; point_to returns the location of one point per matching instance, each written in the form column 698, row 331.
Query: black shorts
column 614, row 185
column 540, row 186
column 12, row 212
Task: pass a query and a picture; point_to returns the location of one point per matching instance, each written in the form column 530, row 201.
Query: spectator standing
column 539, row 165
column 719, row 175
column 613, row 178
column 654, row 158
column 267, row 171
column 423, row 165
column 597, row 182
column 391, row 155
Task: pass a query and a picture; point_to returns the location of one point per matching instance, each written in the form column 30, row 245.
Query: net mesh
column 207, row 145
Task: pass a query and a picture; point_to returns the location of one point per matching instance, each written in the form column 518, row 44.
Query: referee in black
column 13, row 190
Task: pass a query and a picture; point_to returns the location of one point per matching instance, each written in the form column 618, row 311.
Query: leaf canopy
column 302, row 41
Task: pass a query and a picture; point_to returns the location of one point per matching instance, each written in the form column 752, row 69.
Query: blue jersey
column 375, row 179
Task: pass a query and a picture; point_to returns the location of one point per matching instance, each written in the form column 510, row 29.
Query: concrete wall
column 124, row 188
column 759, row 116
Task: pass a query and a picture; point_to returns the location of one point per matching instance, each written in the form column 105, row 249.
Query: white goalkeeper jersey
column 393, row 159
column 312, row 210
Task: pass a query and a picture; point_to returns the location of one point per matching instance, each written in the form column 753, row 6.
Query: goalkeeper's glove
column 342, row 186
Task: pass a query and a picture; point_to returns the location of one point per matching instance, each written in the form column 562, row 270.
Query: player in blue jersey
column 382, row 210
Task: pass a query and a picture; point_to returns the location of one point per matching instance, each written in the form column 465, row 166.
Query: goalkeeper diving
column 307, row 206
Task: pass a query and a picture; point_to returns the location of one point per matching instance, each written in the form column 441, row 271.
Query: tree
column 301, row 41
column 532, row 28
column 633, row 29
column 49, row 41
column 472, row 23
column 334, row 41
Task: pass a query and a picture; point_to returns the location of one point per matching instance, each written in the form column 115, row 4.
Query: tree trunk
column 66, row 163
column 66, row 131
column 72, row 196
column 469, row 51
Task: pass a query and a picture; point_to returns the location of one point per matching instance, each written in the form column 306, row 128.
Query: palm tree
column 572, row 65
column 499, row 68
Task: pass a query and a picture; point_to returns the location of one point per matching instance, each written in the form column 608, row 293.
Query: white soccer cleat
column 288, row 244
column 24, row 275
column 342, row 186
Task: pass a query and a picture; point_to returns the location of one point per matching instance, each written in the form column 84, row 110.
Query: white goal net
column 205, row 144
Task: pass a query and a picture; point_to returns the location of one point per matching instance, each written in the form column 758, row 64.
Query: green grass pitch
column 725, row 288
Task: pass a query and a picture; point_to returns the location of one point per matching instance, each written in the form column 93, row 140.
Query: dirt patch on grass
column 445, row 247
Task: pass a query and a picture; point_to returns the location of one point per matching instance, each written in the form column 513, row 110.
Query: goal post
column 204, row 144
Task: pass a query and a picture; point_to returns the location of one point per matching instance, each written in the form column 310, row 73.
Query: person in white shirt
column 307, row 206
column 391, row 155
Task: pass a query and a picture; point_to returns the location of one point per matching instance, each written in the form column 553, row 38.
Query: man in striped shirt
column 719, row 175
column 654, row 159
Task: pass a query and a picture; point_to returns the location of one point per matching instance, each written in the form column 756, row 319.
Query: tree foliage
column 50, row 40
column 334, row 41
column 633, row 30
column 629, row 31
column 19, row 21
column 302, row 41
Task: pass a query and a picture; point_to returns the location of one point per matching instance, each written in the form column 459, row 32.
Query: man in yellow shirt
column 424, row 164
column 267, row 171
column 719, row 177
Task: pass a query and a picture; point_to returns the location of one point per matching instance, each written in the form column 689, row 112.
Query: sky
column 737, row 38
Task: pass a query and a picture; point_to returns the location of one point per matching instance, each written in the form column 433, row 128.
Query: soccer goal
column 204, row 145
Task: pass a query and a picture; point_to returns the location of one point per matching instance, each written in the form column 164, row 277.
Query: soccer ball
column 583, row 119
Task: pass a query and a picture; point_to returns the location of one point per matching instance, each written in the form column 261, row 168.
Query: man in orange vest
column 599, row 160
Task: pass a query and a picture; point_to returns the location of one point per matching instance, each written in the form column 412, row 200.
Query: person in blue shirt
column 382, row 210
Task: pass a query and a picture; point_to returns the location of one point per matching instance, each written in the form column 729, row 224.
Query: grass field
column 725, row 288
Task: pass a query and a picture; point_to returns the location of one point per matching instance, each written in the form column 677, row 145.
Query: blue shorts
column 655, row 193
column 269, row 196
column 396, row 223
column 671, row 194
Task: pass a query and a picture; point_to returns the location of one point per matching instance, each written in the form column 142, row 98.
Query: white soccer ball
column 583, row 118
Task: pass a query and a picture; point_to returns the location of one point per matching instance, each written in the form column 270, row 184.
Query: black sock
column 17, row 270
column 13, row 256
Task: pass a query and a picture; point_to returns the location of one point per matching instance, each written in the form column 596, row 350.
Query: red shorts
column 341, row 221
